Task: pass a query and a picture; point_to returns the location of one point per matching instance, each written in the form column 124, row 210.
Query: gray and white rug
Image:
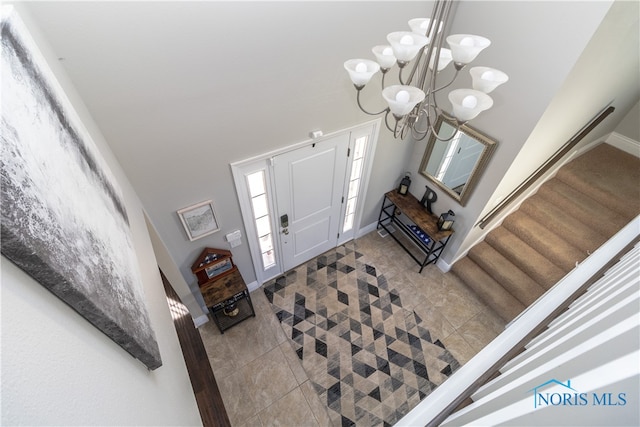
column 370, row 360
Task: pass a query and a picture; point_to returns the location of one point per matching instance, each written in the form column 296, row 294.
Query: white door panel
column 307, row 239
column 309, row 183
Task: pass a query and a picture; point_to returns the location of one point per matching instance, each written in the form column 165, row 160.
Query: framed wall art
column 64, row 219
column 199, row 220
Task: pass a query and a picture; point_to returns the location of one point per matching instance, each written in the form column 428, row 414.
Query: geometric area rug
column 369, row 359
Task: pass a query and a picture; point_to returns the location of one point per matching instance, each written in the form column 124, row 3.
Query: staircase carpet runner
column 570, row 216
column 370, row 360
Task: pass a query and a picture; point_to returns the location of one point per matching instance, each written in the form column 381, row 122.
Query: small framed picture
column 199, row 220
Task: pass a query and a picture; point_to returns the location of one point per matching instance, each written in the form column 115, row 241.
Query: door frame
column 263, row 162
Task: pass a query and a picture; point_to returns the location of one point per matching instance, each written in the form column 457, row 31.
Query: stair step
column 563, row 223
column 589, row 200
column 544, row 240
column 504, row 304
column 508, row 275
column 586, row 209
column 608, row 175
column 527, row 259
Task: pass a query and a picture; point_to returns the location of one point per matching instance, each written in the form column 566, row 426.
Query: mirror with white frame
column 455, row 161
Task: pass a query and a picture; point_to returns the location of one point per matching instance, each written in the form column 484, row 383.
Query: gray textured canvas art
column 63, row 219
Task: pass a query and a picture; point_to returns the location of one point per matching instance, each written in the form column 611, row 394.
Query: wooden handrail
column 545, row 166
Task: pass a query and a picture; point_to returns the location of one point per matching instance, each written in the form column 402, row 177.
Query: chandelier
column 420, row 56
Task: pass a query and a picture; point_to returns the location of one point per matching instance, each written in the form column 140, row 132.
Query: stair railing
column 548, row 164
column 444, row 400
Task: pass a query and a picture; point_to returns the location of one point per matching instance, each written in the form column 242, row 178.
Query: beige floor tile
column 318, row 408
column 438, row 325
column 290, row 410
column 252, row 338
column 482, row 329
column 459, row 347
column 220, row 350
column 268, row 379
column 237, row 398
column 294, row 362
column 459, row 304
column 254, row 422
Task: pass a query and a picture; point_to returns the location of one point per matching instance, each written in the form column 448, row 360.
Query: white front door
column 309, row 193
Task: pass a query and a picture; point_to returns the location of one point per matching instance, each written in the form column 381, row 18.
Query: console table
column 220, row 293
column 223, row 288
column 416, row 223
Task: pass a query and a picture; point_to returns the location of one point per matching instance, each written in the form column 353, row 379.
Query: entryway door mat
column 370, row 360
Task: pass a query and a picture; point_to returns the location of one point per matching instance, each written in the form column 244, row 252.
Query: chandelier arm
column 386, row 122
column 455, row 76
column 455, row 132
column 400, row 76
column 406, row 128
column 418, row 135
column 415, row 130
column 365, row 111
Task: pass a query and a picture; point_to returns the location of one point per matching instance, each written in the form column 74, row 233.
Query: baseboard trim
column 253, row 286
column 200, row 320
column 443, row 266
column 367, row 229
column 624, row 143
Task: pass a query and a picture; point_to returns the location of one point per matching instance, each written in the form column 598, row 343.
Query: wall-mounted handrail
column 566, row 147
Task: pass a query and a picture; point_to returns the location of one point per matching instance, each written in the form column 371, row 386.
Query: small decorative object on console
column 405, row 184
column 429, row 197
column 445, row 222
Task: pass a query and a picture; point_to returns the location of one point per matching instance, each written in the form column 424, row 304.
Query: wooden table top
column 220, row 290
column 411, row 207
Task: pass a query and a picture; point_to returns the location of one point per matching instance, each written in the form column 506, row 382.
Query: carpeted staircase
column 588, row 201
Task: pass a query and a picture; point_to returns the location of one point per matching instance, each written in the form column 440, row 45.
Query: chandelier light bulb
column 468, row 103
column 466, row 47
column 445, row 59
column 361, row 70
column 403, row 96
column 406, row 45
column 406, row 40
column 384, row 56
column 421, row 25
column 487, row 79
column 402, row 99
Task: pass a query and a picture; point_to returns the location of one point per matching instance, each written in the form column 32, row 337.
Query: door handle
column 285, row 231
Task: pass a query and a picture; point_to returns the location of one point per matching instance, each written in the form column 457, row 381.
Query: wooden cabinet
column 415, row 223
column 222, row 287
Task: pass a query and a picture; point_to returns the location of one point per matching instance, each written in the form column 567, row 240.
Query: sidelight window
column 355, row 179
column 260, row 209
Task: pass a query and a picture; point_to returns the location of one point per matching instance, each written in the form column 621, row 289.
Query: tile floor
column 261, row 379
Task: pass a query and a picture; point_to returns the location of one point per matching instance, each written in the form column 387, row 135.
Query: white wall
column 57, row 369
column 630, row 125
